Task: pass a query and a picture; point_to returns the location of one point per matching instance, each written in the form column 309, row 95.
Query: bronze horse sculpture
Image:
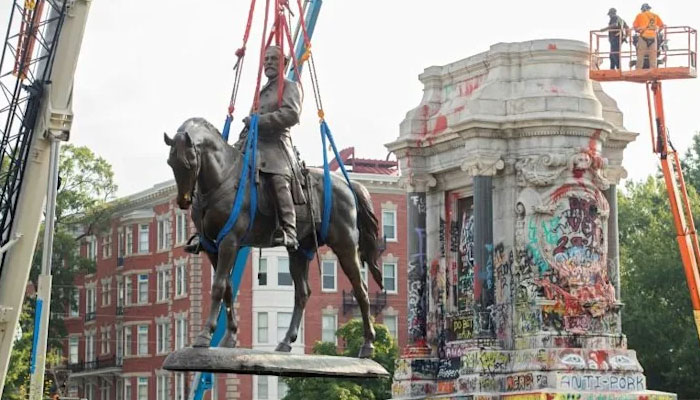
column 207, row 172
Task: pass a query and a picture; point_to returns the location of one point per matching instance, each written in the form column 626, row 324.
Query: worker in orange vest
column 647, row 25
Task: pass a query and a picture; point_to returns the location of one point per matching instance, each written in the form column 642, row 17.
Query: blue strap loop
column 327, row 189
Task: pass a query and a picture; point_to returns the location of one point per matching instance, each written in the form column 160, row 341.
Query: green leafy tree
column 691, row 163
column 83, row 208
column 657, row 317
column 385, row 353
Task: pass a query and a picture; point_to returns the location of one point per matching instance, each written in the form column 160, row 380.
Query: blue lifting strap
column 206, row 379
column 227, row 128
column 247, row 173
column 327, row 188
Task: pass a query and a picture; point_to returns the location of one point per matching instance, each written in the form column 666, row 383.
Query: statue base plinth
column 256, row 362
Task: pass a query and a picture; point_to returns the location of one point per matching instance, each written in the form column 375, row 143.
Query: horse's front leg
column 299, row 268
column 227, row 254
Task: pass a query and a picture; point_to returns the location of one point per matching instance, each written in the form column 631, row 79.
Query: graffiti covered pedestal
column 519, row 284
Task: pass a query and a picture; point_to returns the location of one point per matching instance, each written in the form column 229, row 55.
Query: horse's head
column 185, row 161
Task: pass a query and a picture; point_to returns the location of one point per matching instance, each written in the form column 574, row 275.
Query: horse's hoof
column 366, row 350
column 229, row 341
column 202, row 340
column 284, row 347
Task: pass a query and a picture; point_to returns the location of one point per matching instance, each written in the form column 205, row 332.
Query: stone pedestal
column 521, row 261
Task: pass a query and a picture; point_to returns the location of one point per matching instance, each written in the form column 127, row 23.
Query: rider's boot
column 286, row 214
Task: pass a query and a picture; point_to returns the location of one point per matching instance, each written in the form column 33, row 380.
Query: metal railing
column 93, row 365
column 676, row 50
column 90, row 316
column 377, row 301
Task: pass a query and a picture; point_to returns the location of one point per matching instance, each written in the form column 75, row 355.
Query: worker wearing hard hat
column 647, row 24
column 617, row 34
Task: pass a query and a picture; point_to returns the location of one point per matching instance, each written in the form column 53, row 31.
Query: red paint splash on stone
column 552, row 46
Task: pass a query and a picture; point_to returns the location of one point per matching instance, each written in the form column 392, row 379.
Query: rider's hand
column 246, row 121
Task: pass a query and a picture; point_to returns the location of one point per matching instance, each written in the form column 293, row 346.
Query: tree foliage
column 657, row 317
column 83, row 208
column 385, row 353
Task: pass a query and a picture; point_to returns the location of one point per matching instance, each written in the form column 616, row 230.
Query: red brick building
column 148, row 297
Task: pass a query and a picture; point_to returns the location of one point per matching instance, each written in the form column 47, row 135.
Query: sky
column 146, row 66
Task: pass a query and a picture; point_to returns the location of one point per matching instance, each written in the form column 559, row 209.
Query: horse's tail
column 368, row 225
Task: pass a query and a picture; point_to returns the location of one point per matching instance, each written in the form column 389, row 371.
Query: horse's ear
column 188, row 139
column 168, row 140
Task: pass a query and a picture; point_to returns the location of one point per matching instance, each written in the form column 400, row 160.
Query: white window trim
column 257, row 327
column 386, row 208
column 181, row 263
column 164, row 227
column 390, row 312
column 181, row 214
column 256, row 280
column 396, row 272
column 138, row 241
column 335, row 275
column 333, row 314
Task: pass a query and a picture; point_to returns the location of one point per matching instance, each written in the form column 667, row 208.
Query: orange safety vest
column 649, row 23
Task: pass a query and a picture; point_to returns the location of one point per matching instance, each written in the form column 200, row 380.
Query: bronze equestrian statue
column 206, row 172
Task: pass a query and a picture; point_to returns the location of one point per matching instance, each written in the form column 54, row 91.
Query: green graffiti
column 549, row 228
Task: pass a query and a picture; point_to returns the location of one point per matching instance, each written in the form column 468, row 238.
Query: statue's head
column 185, row 162
column 271, row 63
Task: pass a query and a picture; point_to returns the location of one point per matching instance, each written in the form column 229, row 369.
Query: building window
column 143, row 238
column 262, row 387
column 128, row 290
column 284, row 319
column 143, row 388
column 105, row 341
column 120, row 346
column 106, row 294
column 162, row 387
column 262, row 272
column 164, row 233
column 329, row 326
column 91, row 248
column 180, row 227
column 143, row 340
column 180, row 386
column 163, row 291
column 328, row 280
column 75, row 304
column 120, row 390
column 107, row 246
column 180, row 333
column 120, row 242
column 129, row 244
column 262, row 327
column 363, row 273
column 143, row 289
column 389, row 224
column 120, row 294
column 127, row 341
column 89, row 347
column 90, row 301
column 104, row 391
column 389, row 271
column 127, row 389
column 281, row 389
column 392, row 324
column 284, row 278
column 89, row 391
column 73, row 350
column 163, row 337
column 180, row 279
